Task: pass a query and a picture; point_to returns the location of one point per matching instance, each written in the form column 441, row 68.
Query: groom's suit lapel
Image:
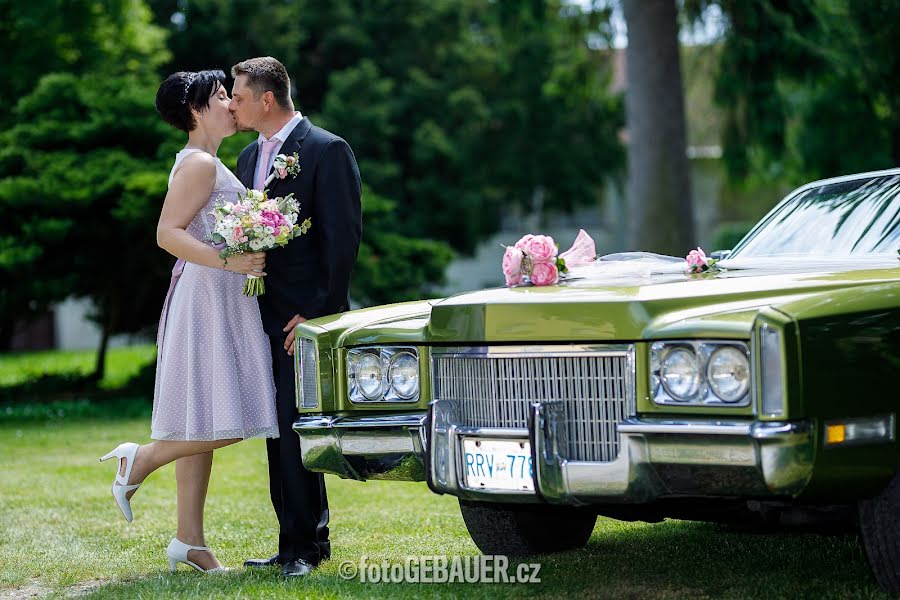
column 246, row 174
column 291, row 145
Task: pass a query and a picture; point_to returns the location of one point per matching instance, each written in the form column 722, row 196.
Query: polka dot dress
column 214, row 364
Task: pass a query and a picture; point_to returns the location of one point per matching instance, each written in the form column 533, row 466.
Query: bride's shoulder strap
column 195, row 154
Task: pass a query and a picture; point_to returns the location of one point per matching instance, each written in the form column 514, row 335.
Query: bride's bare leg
column 192, row 476
column 154, row 455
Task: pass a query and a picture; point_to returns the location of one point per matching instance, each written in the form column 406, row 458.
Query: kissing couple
column 225, row 361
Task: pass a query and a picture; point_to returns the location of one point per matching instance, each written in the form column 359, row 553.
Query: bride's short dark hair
column 266, row 74
column 184, row 90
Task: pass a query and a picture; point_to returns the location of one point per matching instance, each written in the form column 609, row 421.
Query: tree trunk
column 7, row 330
column 100, row 366
column 110, row 322
column 660, row 214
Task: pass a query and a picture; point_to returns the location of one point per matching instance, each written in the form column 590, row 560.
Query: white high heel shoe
column 120, row 485
column 178, row 552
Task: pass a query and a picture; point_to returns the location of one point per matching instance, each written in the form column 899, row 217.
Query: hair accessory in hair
column 187, row 86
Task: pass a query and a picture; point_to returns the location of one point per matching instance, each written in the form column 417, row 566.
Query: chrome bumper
column 657, row 458
column 711, row 458
column 378, row 447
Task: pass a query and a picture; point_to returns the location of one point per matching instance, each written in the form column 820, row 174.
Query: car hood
column 619, row 306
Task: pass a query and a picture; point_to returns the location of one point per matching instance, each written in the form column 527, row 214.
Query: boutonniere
column 285, row 165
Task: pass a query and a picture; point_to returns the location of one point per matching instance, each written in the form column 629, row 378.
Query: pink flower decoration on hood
column 544, row 273
column 523, row 241
column 697, row 259
column 582, row 252
column 541, row 248
column 512, row 266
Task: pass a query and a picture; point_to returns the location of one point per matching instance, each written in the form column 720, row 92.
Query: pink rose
column 523, row 241
column 290, row 160
column 512, row 266
column 271, row 218
column 541, row 248
column 238, row 232
column 696, row 259
column 544, row 273
column 282, row 173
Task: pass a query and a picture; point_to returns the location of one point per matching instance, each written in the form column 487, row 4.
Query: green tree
column 810, row 88
column 81, row 184
column 116, row 37
column 393, row 267
column 456, row 109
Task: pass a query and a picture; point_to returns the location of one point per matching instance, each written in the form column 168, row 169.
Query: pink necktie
column 262, row 168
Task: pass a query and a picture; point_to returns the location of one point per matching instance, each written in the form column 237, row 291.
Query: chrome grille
column 495, row 387
column 305, row 368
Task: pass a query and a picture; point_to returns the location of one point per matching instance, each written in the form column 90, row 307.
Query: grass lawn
column 62, row 535
column 121, row 364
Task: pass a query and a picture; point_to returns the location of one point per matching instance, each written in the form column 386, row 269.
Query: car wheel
column 879, row 523
column 523, row 529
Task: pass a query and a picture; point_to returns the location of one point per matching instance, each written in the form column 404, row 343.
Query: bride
column 214, row 383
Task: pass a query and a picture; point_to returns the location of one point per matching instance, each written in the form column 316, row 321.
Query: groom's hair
column 184, row 90
column 266, row 74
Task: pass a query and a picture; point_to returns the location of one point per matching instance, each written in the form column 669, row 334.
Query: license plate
column 497, row 464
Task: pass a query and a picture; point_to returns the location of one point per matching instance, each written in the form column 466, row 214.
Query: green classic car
column 762, row 391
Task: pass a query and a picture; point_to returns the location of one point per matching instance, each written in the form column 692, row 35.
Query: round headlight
column 370, row 376
column 680, row 373
column 404, row 375
column 728, row 372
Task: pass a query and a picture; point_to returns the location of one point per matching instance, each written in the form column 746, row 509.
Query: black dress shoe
column 263, row 562
column 296, row 568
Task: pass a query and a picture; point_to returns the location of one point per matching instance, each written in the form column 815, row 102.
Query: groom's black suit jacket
column 310, row 276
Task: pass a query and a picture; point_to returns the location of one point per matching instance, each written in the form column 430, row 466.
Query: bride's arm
column 190, row 189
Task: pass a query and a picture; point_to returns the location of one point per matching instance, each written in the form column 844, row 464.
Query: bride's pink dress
column 214, row 364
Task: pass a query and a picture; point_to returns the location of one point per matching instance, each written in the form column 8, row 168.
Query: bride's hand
column 251, row 263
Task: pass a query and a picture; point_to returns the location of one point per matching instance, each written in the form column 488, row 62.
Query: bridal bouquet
column 256, row 223
column 535, row 259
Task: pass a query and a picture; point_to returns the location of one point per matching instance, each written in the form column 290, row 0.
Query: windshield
column 857, row 217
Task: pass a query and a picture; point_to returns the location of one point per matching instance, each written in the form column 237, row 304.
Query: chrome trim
column 703, row 350
column 657, row 458
column 386, row 354
column 307, row 376
column 368, row 447
column 685, row 427
column 445, row 455
column 495, row 386
column 772, row 385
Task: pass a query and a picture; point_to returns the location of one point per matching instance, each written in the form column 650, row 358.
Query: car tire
column 525, row 529
column 879, row 523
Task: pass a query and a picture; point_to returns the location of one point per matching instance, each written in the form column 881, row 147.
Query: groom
column 308, row 278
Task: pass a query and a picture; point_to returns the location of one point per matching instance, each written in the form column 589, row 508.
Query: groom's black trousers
column 298, row 495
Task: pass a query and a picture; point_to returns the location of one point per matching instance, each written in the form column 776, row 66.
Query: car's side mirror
column 720, row 254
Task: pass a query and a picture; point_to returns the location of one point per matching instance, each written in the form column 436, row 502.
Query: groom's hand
column 289, row 340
